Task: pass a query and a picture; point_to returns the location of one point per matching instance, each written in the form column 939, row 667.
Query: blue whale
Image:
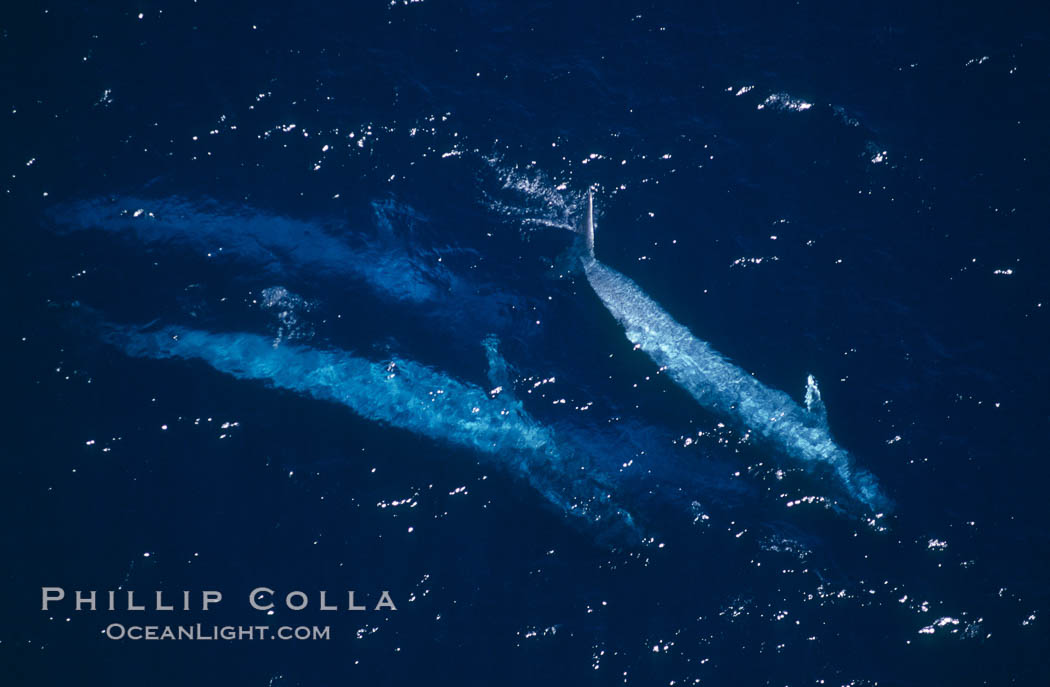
column 722, row 387
column 407, row 395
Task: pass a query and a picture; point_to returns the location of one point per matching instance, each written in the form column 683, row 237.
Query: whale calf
column 719, row 385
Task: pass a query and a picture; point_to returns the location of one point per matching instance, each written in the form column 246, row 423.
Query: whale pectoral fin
column 499, row 374
column 814, row 403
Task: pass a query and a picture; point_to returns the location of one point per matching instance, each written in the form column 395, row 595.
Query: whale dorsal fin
column 814, row 403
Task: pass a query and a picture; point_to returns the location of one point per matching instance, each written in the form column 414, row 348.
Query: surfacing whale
column 720, row 386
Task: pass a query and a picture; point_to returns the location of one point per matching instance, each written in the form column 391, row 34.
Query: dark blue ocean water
column 314, row 195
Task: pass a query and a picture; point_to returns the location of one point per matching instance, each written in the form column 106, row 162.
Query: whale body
column 720, row 386
column 407, row 395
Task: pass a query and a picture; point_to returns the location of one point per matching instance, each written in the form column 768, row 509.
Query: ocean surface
column 294, row 299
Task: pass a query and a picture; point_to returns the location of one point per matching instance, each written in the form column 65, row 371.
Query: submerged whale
column 407, row 395
column 719, row 385
column 617, row 477
column 386, row 258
